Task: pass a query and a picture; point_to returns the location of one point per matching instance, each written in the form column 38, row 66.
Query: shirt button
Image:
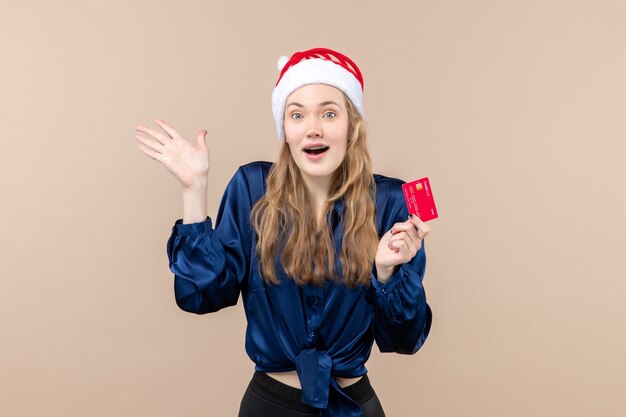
column 311, row 333
column 384, row 290
column 315, row 301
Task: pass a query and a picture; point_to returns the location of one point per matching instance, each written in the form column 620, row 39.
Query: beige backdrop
column 514, row 109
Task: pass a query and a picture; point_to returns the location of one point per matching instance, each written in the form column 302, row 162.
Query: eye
column 295, row 114
column 331, row 112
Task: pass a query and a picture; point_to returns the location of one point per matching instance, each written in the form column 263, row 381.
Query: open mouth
column 317, row 150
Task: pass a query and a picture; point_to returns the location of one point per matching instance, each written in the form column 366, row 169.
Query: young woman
column 322, row 250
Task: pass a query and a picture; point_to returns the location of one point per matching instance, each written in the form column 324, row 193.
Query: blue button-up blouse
column 320, row 332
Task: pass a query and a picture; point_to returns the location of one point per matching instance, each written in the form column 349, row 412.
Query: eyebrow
column 321, row 104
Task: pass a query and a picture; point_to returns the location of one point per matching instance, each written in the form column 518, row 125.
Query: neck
column 317, row 189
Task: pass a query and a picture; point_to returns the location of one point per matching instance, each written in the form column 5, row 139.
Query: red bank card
column 419, row 199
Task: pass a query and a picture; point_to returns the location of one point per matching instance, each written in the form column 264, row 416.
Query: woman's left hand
column 400, row 244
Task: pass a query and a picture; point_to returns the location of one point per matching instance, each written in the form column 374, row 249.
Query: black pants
column 268, row 397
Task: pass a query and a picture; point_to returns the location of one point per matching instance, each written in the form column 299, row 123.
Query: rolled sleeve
column 402, row 316
column 209, row 265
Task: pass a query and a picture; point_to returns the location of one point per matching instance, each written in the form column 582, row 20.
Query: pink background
column 515, row 110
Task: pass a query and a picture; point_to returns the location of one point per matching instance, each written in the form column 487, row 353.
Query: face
column 317, row 114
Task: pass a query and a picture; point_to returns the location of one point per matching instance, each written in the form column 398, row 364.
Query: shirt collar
column 336, row 214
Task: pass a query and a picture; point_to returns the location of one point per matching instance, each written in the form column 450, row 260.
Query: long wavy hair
column 285, row 215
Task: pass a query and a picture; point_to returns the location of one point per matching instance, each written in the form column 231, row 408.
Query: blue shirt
column 320, row 332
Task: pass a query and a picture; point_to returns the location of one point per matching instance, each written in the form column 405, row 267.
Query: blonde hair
column 285, row 214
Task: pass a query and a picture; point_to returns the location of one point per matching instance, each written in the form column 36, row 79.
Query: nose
column 314, row 129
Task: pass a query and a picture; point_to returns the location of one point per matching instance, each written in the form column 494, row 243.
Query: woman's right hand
column 188, row 162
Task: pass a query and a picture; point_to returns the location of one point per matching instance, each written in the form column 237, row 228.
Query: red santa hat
column 315, row 66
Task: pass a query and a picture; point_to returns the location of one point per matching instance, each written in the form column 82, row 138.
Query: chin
column 319, row 170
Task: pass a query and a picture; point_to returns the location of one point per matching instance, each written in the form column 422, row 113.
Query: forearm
column 383, row 274
column 195, row 204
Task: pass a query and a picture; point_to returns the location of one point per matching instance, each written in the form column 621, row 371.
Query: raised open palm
column 187, row 161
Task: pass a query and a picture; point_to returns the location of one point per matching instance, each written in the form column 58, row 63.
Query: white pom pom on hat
column 315, row 66
column 282, row 61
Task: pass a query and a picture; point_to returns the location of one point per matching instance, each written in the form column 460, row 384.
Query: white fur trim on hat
column 313, row 71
